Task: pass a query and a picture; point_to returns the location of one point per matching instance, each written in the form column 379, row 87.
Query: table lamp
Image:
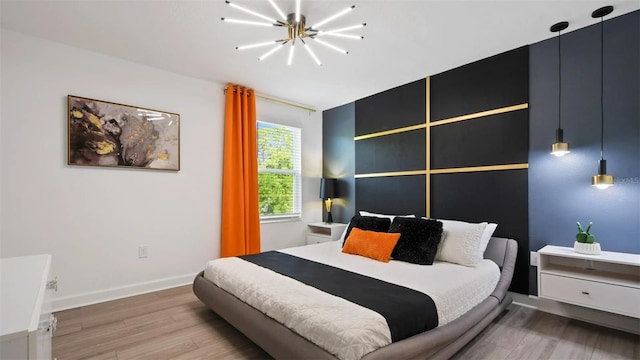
column 328, row 191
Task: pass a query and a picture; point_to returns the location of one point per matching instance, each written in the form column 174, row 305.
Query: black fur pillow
column 371, row 223
column 419, row 239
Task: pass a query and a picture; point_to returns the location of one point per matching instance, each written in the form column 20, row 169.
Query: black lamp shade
column 328, row 188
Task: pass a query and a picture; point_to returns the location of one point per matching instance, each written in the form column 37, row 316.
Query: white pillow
column 486, row 236
column 344, row 233
column 390, row 217
column 460, row 242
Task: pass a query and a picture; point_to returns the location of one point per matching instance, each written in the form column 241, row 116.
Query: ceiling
column 403, row 40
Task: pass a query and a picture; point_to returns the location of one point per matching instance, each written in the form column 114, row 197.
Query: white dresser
column 26, row 322
column 323, row 232
column 609, row 281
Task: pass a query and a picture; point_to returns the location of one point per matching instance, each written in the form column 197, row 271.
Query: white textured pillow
column 390, row 217
column 344, row 234
column 460, row 242
column 486, row 236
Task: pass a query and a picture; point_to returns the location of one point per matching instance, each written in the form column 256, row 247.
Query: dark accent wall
column 382, row 195
column 397, row 152
column 405, row 151
column 560, row 191
column 498, row 139
column 395, row 108
column 338, row 158
column 493, row 140
column 498, row 196
column 489, row 83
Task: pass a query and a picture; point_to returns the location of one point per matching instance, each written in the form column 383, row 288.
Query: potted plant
column 585, row 241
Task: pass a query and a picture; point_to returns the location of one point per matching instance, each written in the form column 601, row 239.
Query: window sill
column 280, row 219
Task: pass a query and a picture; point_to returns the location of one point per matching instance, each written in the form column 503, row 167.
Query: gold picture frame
column 103, row 133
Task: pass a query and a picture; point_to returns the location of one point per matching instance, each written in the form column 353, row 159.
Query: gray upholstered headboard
column 503, row 252
column 496, row 250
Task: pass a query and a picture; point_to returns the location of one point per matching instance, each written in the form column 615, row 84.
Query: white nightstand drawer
column 316, row 239
column 613, row 298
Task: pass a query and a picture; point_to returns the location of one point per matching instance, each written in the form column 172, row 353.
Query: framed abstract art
column 103, row 133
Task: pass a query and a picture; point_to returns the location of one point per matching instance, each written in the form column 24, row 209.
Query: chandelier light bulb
column 312, row 54
column 297, row 11
column 333, row 17
column 270, row 52
column 330, row 46
column 247, row 22
column 251, row 12
column 251, row 46
column 290, row 60
column 344, row 29
column 348, row 36
column 282, row 15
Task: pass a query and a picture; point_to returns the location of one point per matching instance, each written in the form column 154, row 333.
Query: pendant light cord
column 601, row 88
column 559, row 82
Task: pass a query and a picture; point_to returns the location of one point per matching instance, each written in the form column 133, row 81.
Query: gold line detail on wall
column 428, row 147
column 393, row 173
column 390, row 132
column 479, row 168
column 480, row 114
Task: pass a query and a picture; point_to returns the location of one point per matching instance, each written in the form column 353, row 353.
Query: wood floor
column 174, row 324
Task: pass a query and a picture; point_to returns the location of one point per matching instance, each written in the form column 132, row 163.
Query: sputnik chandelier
column 297, row 31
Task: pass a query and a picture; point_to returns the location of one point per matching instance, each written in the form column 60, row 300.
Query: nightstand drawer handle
column 585, row 292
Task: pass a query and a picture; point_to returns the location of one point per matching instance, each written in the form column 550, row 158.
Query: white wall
column 93, row 219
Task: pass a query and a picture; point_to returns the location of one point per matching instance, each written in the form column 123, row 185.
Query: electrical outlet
column 143, row 251
column 533, row 261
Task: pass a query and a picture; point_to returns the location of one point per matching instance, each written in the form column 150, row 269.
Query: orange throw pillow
column 372, row 244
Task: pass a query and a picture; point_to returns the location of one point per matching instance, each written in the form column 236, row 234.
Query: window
column 279, row 171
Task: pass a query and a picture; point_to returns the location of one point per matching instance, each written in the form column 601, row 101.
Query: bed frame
column 439, row 343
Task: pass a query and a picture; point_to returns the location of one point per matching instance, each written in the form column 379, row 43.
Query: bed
column 281, row 342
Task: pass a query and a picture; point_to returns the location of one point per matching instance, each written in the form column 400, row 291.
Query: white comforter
column 345, row 329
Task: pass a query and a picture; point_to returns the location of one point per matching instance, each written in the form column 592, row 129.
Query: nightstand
column 322, row 232
column 609, row 281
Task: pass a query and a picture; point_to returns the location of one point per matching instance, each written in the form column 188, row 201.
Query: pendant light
column 559, row 148
column 602, row 180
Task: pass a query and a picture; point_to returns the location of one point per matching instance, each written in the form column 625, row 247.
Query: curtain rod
column 279, row 101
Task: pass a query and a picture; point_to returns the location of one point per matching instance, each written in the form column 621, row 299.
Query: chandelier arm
column 348, row 36
column 353, row 27
column 273, row 50
column 310, row 52
column 333, row 17
column 291, row 50
column 249, row 22
column 282, row 15
column 248, row 11
column 330, row 46
column 251, row 46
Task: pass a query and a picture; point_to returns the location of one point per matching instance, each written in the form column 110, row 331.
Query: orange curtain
column 240, row 216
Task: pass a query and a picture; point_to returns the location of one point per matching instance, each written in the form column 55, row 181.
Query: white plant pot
column 588, row 249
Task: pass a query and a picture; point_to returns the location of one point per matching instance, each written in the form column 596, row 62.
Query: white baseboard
column 603, row 318
column 94, row 297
